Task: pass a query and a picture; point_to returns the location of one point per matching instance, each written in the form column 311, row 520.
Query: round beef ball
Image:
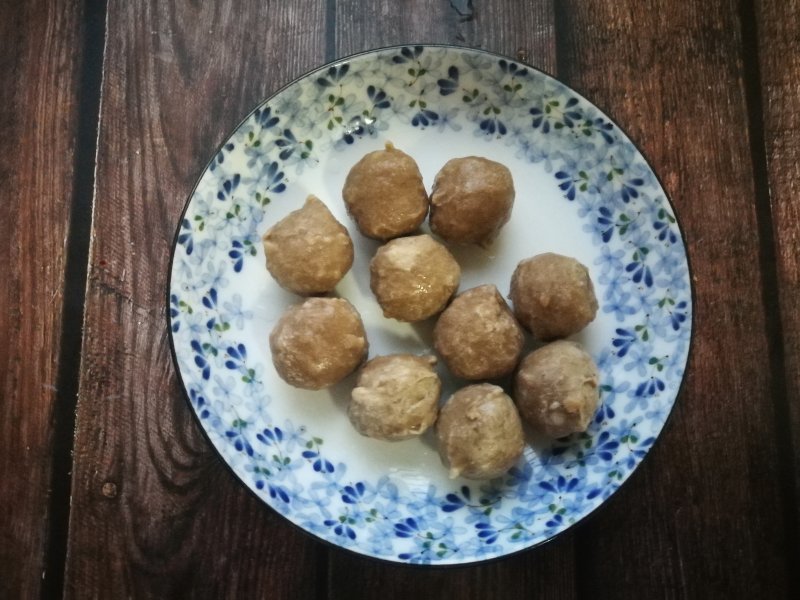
column 385, row 195
column 477, row 336
column 396, row 397
column 471, row 200
column 553, row 295
column 480, row 432
column 308, row 251
column 413, row 277
column 557, row 389
column 318, row 343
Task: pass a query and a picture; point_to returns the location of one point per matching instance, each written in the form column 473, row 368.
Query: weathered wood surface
column 709, row 91
column 703, row 517
column 40, row 63
column 155, row 513
column 777, row 32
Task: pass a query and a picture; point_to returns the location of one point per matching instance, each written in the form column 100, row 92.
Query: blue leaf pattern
column 640, row 272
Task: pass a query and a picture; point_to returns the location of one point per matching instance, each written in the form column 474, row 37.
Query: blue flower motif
column 236, row 434
column 185, row 236
column 334, row 75
column 228, row 187
column 448, row 85
column 639, row 269
column 620, row 306
column 407, row 54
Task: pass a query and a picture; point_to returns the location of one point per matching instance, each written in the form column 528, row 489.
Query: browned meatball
column 413, row 277
column 471, row 200
column 553, row 295
column 480, row 433
column 396, row 397
column 318, row 343
column 556, row 389
column 478, row 336
column 385, row 195
column 308, row 251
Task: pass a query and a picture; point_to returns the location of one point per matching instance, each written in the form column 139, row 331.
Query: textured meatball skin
column 396, row 397
column 477, row 336
column 557, row 389
column 479, row 432
column 413, row 277
column 385, row 195
column 308, row 251
column 553, row 295
column 318, row 343
column 471, row 200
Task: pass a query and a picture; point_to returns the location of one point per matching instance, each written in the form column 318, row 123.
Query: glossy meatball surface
column 553, row 295
column 471, row 200
column 479, row 432
column 478, row 336
column 385, row 195
column 318, row 343
column 308, row 251
column 557, row 389
column 396, row 397
column 413, row 277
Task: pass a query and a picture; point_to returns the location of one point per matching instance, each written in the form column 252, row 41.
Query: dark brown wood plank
column 39, row 74
column 704, row 516
column 520, row 29
column 778, row 28
column 523, row 30
column 155, row 513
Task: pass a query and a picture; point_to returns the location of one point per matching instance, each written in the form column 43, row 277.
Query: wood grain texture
column 778, row 29
column 155, row 513
column 524, row 30
column 703, row 518
column 40, row 69
column 520, row 29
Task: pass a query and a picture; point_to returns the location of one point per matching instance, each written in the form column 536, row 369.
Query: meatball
column 471, row 200
column 396, row 397
column 553, row 295
column 318, row 343
column 308, row 251
column 556, row 389
column 385, row 195
column 413, row 277
column 478, row 336
column 480, row 433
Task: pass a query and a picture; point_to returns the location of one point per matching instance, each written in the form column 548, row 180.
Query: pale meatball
column 318, row 343
column 477, row 336
column 308, row 251
column 480, row 432
column 385, row 194
column 557, row 389
column 396, row 397
column 471, row 200
column 553, row 295
column 413, row 277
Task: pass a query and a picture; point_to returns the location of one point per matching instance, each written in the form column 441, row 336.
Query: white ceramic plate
column 583, row 189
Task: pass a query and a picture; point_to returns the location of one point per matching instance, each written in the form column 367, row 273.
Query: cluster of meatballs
column 414, row 277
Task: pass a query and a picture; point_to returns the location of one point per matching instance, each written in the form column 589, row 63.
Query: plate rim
column 588, row 517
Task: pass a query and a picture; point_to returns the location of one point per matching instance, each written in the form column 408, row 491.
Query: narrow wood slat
column 155, row 512
column 704, row 516
column 778, row 26
column 522, row 30
column 39, row 74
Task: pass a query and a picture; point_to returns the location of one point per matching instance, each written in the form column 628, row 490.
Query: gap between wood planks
column 769, row 275
column 75, row 278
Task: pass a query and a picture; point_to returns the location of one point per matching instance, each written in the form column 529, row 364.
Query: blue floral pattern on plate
column 639, row 266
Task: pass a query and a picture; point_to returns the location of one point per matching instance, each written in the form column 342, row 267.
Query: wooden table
column 108, row 489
